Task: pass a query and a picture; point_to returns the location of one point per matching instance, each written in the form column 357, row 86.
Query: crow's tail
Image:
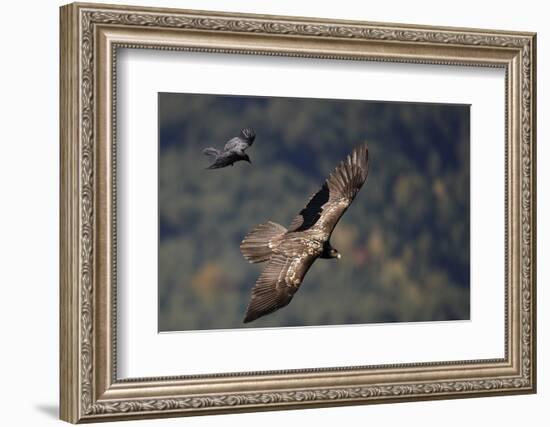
column 211, row 152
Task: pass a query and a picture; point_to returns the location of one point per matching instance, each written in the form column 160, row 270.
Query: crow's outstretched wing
column 223, row 159
column 326, row 207
column 236, row 144
column 277, row 284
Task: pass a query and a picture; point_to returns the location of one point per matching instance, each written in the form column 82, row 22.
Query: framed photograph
column 266, row 212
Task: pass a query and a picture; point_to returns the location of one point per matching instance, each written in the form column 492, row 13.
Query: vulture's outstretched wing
column 325, row 207
column 277, row 285
column 236, row 144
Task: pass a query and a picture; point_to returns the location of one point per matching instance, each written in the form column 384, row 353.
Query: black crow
column 233, row 150
column 290, row 253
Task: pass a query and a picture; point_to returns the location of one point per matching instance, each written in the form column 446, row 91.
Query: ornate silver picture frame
column 91, row 35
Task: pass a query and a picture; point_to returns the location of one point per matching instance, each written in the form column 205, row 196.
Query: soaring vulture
column 290, row 253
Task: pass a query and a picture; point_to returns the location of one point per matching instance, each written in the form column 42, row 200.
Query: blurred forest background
column 405, row 240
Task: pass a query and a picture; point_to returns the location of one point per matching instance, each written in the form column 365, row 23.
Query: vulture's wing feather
column 277, row 284
column 312, row 212
column 325, row 207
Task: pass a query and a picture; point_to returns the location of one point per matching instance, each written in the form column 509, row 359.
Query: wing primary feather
column 271, row 291
column 349, row 175
column 343, row 183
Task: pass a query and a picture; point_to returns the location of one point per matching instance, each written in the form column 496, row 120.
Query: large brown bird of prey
column 290, row 253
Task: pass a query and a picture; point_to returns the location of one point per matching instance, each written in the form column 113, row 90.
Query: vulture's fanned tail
column 255, row 247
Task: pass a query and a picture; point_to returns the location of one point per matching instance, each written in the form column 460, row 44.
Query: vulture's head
column 330, row 252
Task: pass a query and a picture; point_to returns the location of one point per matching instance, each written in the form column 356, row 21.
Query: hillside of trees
column 404, row 241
